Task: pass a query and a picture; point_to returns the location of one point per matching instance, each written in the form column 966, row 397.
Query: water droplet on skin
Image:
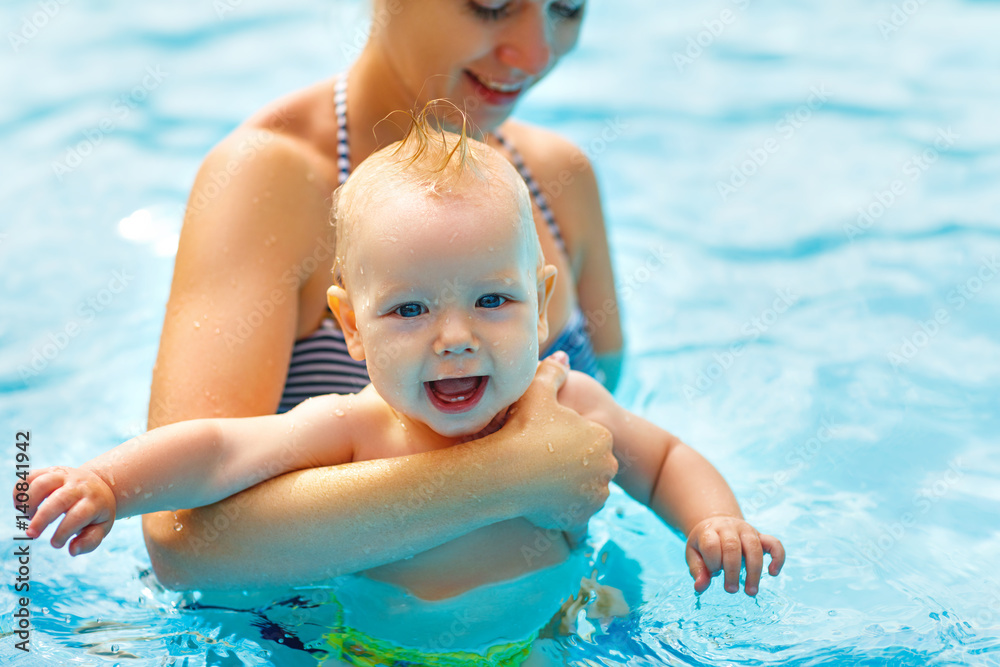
column 338, row 412
column 197, row 325
column 586, row 462
column 138, row 489
column 147, row 495
column 111, row 478
column 551, row 449
column 217, row 330
column 178, row 527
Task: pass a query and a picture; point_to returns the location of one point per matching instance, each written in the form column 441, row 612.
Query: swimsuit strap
column 343, row 152
column 536, row 192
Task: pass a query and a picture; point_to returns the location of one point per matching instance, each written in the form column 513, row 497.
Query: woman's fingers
column 552, row 372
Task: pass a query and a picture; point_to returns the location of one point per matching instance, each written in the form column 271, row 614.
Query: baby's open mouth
column 456, row 394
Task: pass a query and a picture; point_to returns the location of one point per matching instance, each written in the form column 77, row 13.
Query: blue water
column 842, row 371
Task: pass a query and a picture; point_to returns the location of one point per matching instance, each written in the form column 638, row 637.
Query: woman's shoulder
column 566, row 177
column 298, row 129
column 547, row 153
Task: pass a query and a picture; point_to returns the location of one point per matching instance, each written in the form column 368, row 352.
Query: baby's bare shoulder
column 589, row 398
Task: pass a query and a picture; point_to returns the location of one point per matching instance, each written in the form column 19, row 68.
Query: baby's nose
column 456, row 337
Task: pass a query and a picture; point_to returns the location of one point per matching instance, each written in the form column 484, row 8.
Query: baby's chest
column 498, row 552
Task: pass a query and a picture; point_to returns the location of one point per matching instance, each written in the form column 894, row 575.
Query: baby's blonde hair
column 431, row 161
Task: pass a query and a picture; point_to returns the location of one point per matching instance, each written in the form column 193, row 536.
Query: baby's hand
column 85, row 499
column 724, row 543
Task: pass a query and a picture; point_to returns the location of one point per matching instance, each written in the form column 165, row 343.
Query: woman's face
column 483, row 55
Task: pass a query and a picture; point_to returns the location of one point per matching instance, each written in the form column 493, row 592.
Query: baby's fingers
column 53, row 503
column 89, row 538
column 41, row 483
column 753, row 559
column 772, row 545
column 732, row 558
column 80, row 515
column 699, row 572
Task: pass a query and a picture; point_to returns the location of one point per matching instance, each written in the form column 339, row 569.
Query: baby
column 441, row 286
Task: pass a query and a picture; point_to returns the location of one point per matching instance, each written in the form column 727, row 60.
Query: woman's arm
column 324, row 522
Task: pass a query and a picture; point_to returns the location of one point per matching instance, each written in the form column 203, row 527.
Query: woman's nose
column 455, row 337
column 527, row 45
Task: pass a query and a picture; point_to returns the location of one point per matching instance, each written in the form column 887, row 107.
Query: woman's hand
column 86, row 500
column 565, row 461
column 723, row 543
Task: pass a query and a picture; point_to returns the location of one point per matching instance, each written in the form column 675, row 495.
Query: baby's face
column 446, row 300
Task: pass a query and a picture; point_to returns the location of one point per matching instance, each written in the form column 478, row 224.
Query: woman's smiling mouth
column 454, row 395
column 496, row 92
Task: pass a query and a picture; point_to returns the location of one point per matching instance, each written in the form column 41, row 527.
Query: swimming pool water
column 802, row 203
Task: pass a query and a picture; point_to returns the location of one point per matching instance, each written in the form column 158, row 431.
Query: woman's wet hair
column 430, row 160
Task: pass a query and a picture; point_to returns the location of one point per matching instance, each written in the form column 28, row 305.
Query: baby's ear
column 546, row 285
column 342, row 309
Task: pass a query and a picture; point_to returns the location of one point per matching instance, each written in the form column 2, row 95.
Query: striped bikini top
column 320, row 363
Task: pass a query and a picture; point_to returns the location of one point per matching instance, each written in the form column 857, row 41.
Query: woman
column 247, row 308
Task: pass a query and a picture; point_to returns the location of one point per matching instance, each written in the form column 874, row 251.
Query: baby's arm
column 682, row 488
column 187, row 464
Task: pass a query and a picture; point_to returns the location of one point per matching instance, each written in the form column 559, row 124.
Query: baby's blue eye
column 491, row 301
column 409, row 310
